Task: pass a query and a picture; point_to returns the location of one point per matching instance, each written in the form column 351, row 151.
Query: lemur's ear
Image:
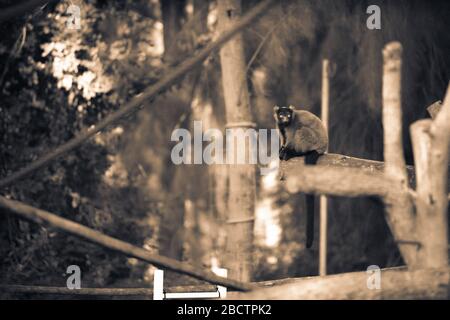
column 291, row 107
column 276, row 108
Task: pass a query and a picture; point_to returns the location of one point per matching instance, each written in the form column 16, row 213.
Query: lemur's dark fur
column 302, row 134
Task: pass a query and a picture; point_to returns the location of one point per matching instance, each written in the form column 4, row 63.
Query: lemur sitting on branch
column 302, row 134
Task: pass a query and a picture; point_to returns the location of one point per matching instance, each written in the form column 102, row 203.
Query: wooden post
column 242, row 185
column 323, row 198
column 430, row 141
column 398, row 204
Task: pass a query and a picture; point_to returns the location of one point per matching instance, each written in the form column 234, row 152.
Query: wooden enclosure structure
column 417, row 217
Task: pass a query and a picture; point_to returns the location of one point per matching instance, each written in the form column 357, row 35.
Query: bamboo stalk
column 242, row 183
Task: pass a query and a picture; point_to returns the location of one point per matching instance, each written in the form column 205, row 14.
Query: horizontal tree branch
column 22, row 289
column 146, row 292
column 328, row 177
column 48, row 219
column 395, row 284
column 137, row 102
column 293, row 167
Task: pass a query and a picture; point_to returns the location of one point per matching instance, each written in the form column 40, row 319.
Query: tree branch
column 293, row 167
column 334, row 180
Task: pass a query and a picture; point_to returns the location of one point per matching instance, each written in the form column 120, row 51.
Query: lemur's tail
column 310, row 159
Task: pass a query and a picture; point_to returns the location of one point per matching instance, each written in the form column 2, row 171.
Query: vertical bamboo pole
column 242, row 185
column 323, row 199
column 398, row 205
column 431, row 141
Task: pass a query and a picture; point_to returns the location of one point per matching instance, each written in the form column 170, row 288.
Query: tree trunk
column 241, row 201
column 431, row 140
column 173, row 12
column 171, row 231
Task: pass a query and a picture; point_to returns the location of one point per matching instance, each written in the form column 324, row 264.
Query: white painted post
column 222, row 272
column 158, row 288
column 158, row 285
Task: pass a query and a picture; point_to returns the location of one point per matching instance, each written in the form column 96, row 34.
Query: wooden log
column 392, row 113
column 22, row 289
column 291, row 167
column 399, row 207
column 394, row 284
column 338, row 160
column 51, row 220
column 431, row 141
column 336, row 181
column 146, row 292
column 137, row 102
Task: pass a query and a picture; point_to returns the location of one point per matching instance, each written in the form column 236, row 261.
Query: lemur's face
column 283, row 115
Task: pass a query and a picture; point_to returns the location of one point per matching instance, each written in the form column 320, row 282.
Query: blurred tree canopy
column 55, row 81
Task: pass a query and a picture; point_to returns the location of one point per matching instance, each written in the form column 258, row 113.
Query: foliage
column 55, row 83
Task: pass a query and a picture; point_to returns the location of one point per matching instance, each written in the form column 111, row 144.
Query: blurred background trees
column 55, row 81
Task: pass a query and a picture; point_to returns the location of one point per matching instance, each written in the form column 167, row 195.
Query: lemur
column 302, row 134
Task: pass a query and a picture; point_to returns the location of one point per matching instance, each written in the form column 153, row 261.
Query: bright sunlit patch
column 116, row 175
column 266, row 224
column 272, row 260
column 270, row 180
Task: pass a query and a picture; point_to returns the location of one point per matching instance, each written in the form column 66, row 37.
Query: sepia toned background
column 56, row 81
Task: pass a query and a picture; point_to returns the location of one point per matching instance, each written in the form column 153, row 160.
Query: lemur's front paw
column 283, row 153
